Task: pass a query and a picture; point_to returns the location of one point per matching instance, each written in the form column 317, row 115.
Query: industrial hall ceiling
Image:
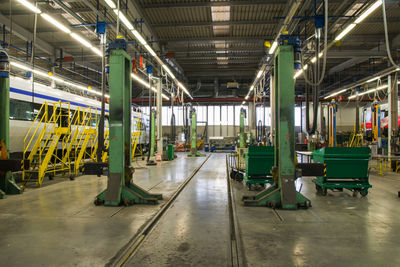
column 214, row 47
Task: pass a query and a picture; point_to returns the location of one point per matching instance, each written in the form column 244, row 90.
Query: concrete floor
column 338, row 230
column 195, row 230
column 58, row 225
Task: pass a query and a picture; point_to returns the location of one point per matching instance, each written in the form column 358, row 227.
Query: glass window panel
column 297, row 116
column 237, row 115
column 210, row 115
column 217, row 115
column 224, row 115
column 230, row 115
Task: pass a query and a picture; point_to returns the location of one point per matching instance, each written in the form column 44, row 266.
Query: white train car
column 25, row 104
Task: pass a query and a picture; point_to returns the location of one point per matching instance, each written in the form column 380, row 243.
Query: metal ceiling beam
column 244, row 55
column 213, row 4
column 27, row 35
column 213, row 39
column 216, row 23
column 220, row 4
column 241, row 49
column 50, row 11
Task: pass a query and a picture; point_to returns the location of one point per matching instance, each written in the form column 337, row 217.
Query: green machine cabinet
column 259, row 161
column 346, row 168
column 170, row 152
column 120, row 188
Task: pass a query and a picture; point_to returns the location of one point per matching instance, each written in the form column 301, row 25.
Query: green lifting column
column 283, row 193
column 120, row 189
column 153, row 133
column 193, row 136
column 7, row 183
column 242, row 134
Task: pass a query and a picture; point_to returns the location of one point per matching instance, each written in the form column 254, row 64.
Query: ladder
column 50, row 127
column 87, row 138
column 137, row 127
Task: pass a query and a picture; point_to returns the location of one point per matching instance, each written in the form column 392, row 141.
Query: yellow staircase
column 50, row 127
column 137, row 127
column 87, row 139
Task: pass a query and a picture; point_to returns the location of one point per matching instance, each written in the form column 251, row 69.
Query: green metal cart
column 259, row 162
column 345, row 168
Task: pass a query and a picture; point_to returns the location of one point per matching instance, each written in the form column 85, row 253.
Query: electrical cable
column 320, row 79
column 387, row 36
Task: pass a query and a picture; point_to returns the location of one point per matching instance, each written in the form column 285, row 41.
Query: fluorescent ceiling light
column 243, row 102
column 297, row 74
column 151, row 51
column 146, row 84
column 184, row 89
column 334, row 94
column 97, row 51
column 168, row 71
column 273, row 47
column 81, row 40
column 52, row 77
column 251, row 88
column 369, row 11
column 259, row 74
column 124, row 20
column 140, row 80
column 345, row 31
column 56, row 23
column 373, row 79
column 30, row 6
column 139, row 37
column 313, row 60
column 369, row 91
column 247, row 97
column 110, row 3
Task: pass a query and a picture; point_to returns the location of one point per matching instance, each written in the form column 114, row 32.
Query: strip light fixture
column 369, row 91
column 140, row 38
column 147, row 85
column 55, row 78
column 62, row 27
column 94, row 49
column 364, row 15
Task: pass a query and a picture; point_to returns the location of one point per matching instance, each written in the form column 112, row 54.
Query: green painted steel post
column 119, row 106
column 242, row 140
column 153, row 133
column 193, row 135
column 7, row 183
column 285, row 147
column 120, row 188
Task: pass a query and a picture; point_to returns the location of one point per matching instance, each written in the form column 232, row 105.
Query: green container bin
column 346, row 167
column 259, row 161
column 170, row 152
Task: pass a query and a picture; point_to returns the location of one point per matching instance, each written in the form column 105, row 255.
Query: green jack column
column 153, row 132
column 7, row 183
column 193, row 136
column 242, row 137
column 283, row 193
column 120, row 189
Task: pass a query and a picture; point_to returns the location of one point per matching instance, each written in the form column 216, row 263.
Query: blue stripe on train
column 51, row 98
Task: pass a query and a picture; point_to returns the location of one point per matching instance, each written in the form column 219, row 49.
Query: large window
column 297, row 116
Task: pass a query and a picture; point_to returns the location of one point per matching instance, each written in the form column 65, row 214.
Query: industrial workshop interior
column 199, row 133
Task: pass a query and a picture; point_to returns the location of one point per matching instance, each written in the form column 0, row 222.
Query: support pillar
column 393, row 113
column 159, row 120
column 7, row 183
column 283, row 193
column 272, row 105
column 120, row 189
